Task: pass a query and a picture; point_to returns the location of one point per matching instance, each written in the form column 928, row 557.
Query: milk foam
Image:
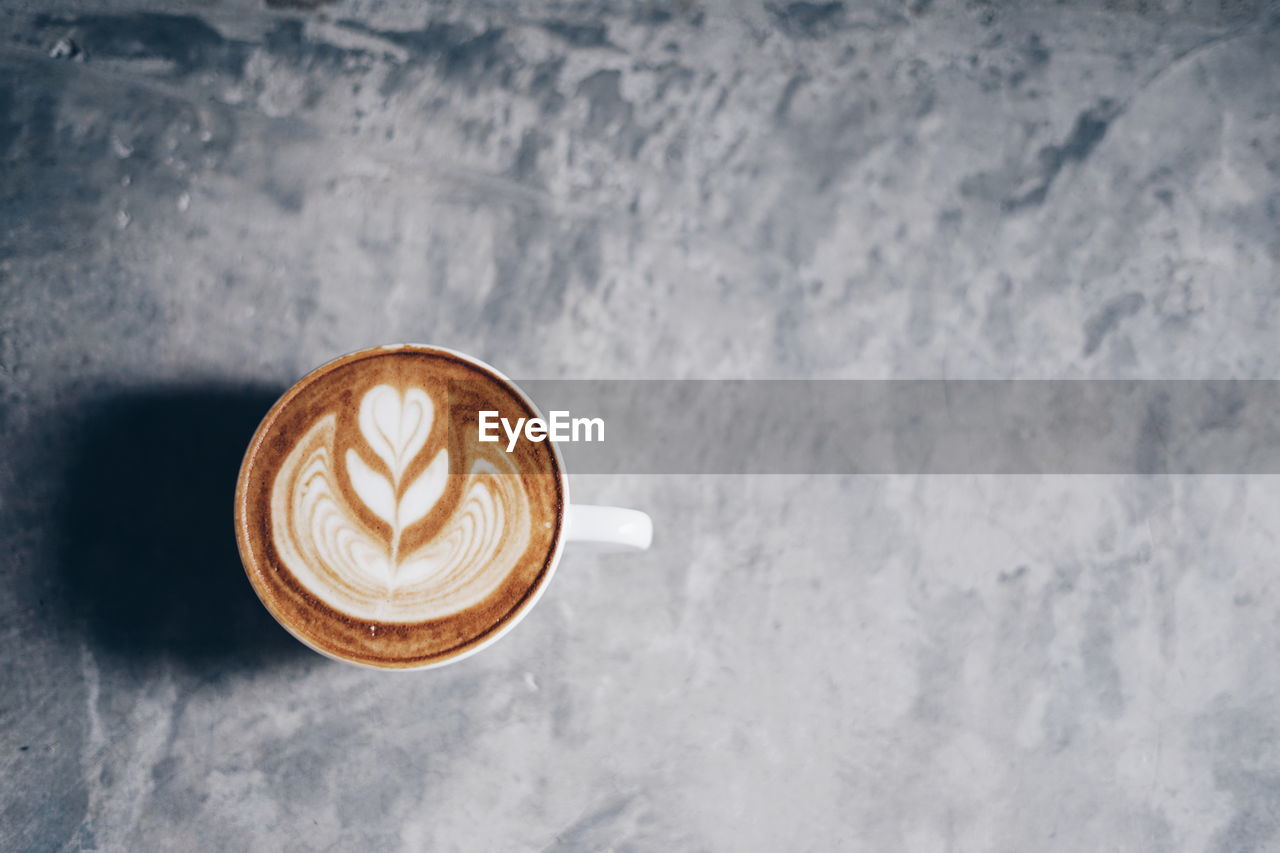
column 359, row 569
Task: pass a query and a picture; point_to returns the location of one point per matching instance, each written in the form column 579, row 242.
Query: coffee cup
column 381, row 525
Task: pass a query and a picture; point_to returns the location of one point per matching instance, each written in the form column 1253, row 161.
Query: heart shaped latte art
column 396, row 424
column 361, row 569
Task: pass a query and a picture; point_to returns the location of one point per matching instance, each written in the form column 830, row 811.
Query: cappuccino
column 374, row 523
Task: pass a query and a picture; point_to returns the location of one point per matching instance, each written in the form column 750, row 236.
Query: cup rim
column 242, row 543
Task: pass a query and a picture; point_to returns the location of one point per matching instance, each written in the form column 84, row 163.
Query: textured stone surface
column 198, row 204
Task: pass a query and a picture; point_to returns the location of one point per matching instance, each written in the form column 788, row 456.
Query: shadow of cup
column 149, row 555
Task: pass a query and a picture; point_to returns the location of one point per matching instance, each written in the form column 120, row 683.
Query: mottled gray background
column 200, row 201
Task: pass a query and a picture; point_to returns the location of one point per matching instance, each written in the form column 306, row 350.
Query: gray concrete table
column 199, row 202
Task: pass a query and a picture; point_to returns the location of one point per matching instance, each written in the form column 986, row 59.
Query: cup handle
column 608, row 528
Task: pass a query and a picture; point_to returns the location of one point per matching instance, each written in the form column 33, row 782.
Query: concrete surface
column 201, row 201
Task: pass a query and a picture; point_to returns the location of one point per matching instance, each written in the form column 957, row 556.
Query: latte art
column 362, row 570
column 377, row 528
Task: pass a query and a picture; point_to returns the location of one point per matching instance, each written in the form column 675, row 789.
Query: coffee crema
column 377, row 528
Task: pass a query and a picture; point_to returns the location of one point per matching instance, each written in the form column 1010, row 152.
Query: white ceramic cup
column 596, row 528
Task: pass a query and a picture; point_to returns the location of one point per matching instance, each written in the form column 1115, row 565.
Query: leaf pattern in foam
column 355, row 570
column 396, row 425
column 373, row 488
column 423, row 493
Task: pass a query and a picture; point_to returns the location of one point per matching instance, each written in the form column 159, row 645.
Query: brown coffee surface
column 374, row 524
